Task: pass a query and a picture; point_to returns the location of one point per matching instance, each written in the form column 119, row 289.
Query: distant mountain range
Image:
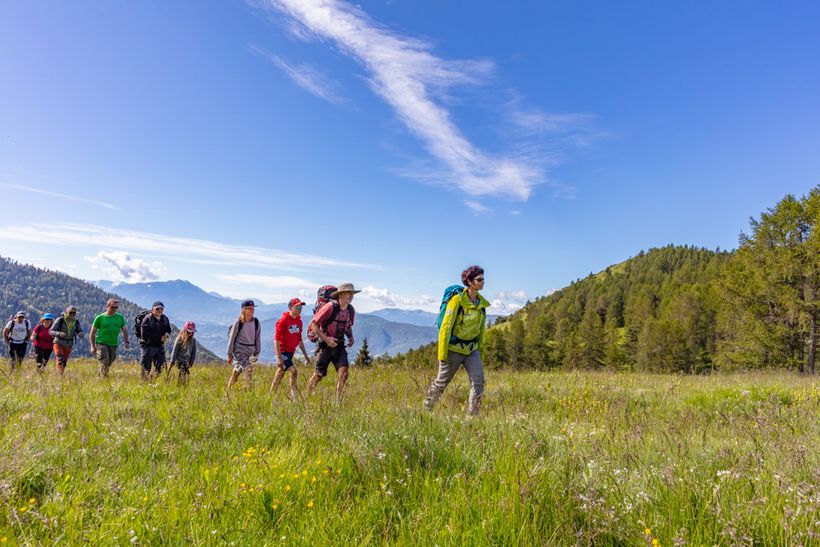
column 187, row 301
column 388, row 331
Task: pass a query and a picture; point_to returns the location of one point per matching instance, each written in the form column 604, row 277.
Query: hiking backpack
column 449, row 293
column 241, row 324
column 322, row 298
column 138, row 323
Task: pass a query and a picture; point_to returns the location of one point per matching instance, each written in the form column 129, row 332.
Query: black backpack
column 241, row 324
column 138, row 323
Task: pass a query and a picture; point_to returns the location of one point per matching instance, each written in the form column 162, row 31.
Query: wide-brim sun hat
column 344, row 287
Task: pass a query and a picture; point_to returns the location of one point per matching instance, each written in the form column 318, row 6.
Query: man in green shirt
column 105, row 333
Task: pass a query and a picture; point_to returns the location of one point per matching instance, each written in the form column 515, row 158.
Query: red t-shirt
column 42, row 339
column 288, row 332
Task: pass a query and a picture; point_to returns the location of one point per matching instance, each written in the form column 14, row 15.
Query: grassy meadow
column 554, row 459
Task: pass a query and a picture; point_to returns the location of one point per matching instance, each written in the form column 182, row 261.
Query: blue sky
column 265, row 148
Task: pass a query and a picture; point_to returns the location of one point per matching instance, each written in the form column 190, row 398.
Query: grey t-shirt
column 247, row 335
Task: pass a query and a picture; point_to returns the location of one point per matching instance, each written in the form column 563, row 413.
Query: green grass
column 555, row 459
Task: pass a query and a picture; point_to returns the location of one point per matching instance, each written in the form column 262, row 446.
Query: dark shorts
column 18, row 351
column 287, row 360
column 327, row 355
column 43, row 355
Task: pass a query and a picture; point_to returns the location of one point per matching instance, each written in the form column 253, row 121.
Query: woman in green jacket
column 461, row 340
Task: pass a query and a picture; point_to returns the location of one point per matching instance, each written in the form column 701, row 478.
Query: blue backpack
column 449, row 292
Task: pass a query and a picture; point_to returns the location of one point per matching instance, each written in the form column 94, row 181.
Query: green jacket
column 472, row 325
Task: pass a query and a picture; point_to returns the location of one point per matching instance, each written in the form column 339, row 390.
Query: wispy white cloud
column 179, row 248
column 507, row 302
column 404, row 72
column 58, row 195
column 388, row 298
column 477, row 207
column 120, row 266
column 305, row 76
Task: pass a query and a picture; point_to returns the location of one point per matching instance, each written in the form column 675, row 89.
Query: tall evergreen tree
column 363, row 358
column 772, row 288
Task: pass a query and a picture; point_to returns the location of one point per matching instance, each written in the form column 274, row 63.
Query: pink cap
column 190, row 326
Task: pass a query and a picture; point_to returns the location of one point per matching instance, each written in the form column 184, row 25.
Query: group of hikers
column 461, row 339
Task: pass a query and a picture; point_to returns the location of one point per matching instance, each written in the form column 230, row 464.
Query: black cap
column 248, row 304
column 158, row 304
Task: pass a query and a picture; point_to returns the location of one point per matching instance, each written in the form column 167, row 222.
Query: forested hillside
column 680, row 309
column 38, row 291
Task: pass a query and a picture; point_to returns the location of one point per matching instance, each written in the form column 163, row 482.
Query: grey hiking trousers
column 446, row 371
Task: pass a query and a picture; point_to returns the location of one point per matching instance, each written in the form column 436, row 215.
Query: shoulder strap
column 334, row 313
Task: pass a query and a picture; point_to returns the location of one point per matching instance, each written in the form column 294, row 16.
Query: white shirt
column 18, row 331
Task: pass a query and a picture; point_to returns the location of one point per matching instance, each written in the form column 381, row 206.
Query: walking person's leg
column 158, row 360
column 446, row 370
column 107, row 356
column 342, row 370
column 62, row 353
column 241, row 362
column 145, row 362
column 18, row 353
column 294, row 388
column 475, row 370
column 280, row 373
column 183, row 374
column 323, row 358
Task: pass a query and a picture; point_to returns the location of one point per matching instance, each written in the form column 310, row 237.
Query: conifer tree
column 363, row 358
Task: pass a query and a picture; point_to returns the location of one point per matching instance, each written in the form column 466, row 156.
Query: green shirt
column 108, row 328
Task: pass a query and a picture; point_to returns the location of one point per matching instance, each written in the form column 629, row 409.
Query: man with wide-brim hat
column 332, row 323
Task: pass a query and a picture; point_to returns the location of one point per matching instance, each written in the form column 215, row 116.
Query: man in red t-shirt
column 287, row 338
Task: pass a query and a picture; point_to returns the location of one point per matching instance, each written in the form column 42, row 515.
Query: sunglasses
column 479, row 279
column 72, row 313
column 113, row 307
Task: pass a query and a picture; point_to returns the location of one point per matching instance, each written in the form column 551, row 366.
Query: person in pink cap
column 287, row 338
column 184, row 353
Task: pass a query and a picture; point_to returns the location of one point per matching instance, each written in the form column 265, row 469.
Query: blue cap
column 48, row 316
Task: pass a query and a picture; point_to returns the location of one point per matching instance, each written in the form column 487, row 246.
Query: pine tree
column 363, row 358
column 772, row 288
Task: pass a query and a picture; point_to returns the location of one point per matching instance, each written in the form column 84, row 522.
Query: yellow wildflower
column 275, row 506
column 282, row 476
column 326, row 471
column 310, row 504
column 287, row 488
column 304, row 473
column 145, row 498
column 647, row 531
column 23, row 509
column 656, row 543
column 313, row 479
column 32, row 501
column 338, row 471
column 319, row 462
